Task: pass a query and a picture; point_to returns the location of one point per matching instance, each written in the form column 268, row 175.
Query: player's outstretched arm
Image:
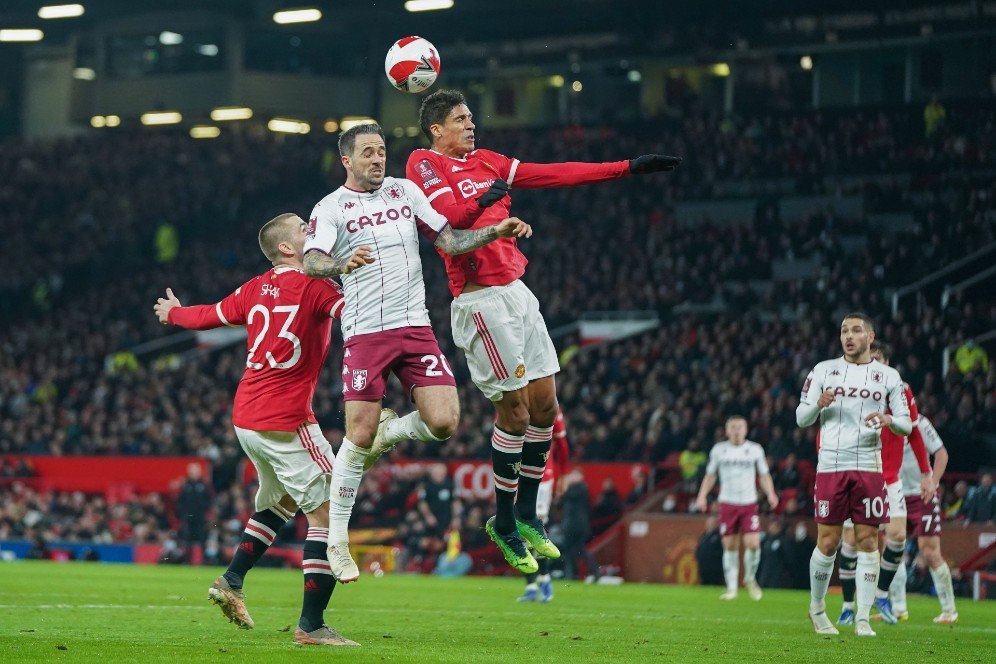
column 572, row 173
column 169, row 311
column 320, row 265
column 455, row 242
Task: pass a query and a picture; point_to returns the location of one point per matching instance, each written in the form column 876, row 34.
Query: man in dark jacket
column 576, row 526
column 192, row 505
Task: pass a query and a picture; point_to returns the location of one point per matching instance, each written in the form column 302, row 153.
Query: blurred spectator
column 435, row 499
column 786, row 475
column 453, row 561
column 776, row 556
column 691, row 461
column 802, row 551
column 709, row 554
column 608, row 505
column 971, row 357
column 639, row 491
column 954, row 501
column 576, row 526
column 192, row 505
column 933, row 116
column 980, row 504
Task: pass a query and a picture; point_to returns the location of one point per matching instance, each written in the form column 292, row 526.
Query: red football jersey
column 893, row 443
column 453, row 186
column 288, row 316
column 556, row 463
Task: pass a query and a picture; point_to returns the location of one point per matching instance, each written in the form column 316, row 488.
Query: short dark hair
column 883, row 348
column 436, row 107
column 865, row 318
column 347, row 139
column 736, row 416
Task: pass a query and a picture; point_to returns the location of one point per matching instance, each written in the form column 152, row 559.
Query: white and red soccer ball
column 412, row 64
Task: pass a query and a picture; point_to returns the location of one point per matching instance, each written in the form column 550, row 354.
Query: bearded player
column 496, row 319
column 895, row 530
column 854, row 397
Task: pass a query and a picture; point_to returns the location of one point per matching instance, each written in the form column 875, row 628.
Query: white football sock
column 944, row 587
column 731, row 569
column 409, row 427
column 865, row 580
column 820, row 569
column 897, row 590
column 346, row 475
column 752, row 558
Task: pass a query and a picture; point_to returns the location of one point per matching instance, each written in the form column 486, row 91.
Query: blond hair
column 274, row 232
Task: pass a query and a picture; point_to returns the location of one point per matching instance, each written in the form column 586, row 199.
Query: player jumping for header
column 496, row 319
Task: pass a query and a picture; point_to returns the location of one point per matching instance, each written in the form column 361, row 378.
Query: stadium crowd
column 97, row 228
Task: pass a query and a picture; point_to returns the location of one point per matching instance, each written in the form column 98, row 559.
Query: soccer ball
column 412, row 64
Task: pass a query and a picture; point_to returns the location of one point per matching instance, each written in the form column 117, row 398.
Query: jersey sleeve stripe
column 512, row 170
column 221, row 316
column 337, row 308
column 439, row 192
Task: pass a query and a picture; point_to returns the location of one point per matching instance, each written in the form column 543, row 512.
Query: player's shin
column 892, row 560
column 820, row 569
column 752, row 559
column 535, row 449
column 259, row 533
column 897, row 591
column 318, row 580
column 346, row 475
column 731, row 570
column 865, row 581
column 944, row 587
column 848, row 565
column 506, row 458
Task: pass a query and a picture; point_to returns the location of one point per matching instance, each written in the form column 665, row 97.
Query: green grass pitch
column 105, row 613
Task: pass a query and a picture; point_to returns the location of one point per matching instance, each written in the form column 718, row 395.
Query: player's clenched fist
column 164, row 305
column 514, row 227
column 362, row 256
column 825, row 399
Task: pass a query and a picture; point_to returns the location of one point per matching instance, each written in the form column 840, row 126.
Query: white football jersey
column 909, row 473
column 738, row 467
column 845, row 442
column 390, row 292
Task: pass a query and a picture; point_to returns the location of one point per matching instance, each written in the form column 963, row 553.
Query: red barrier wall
column 111, row 474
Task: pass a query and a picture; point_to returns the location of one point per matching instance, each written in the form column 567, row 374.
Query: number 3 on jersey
column 285, row 333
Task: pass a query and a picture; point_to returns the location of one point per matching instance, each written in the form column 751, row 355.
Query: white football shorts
column 295, row 463
column 504, row 336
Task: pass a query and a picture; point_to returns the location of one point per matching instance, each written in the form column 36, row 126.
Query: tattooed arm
column 320, row 265
column 455, row 242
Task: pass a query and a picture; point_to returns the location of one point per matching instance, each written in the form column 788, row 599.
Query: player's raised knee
column 442, row 425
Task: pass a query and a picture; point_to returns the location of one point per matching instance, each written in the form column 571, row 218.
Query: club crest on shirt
column 520, row 371
column 312, row 225
column 359, row 379
column 428, row 175
column 394, row 192
column 877, row 376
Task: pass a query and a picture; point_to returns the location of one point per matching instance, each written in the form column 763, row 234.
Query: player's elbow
column 902, row 425
column 311, row 264
column 803, row 417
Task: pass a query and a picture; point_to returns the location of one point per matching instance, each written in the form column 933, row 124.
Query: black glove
column 653, row 163
column 497, row 192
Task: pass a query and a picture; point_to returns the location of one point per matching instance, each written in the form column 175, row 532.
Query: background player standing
column 386, row 326
column 895, row 531
column 740, row 464
column 924, row 523
column 496, row 319
column 288, row 317
column 850, row 396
